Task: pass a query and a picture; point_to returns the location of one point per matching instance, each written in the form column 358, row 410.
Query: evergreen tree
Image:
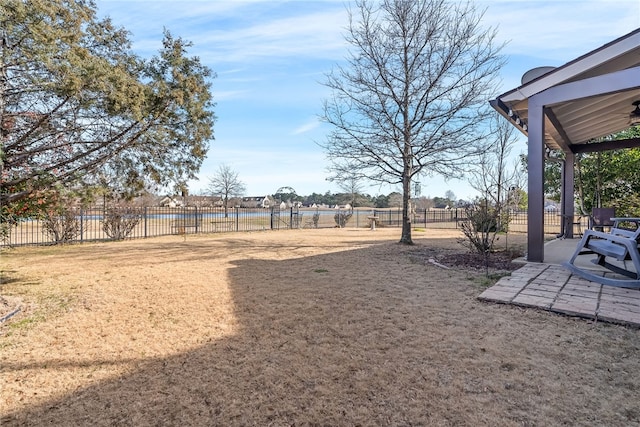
column 78, row 107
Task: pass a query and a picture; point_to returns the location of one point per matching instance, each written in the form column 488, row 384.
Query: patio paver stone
column 553, row 288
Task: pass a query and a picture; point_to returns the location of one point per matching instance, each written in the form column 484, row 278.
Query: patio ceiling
column 572, row 125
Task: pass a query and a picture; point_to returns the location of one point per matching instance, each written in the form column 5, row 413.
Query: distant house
column 171, row 202
column 442, row 205
column 204, row 201
column 217, row 201
column 289, row 204
column 344, row 207
column 197, row 201
column 255, row 202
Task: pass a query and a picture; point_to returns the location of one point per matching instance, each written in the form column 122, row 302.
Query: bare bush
column 62, row 224
column 479, row 227
column 119, row 221
column 342, row 218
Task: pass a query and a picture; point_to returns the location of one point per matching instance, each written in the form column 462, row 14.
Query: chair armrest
column 595, row 233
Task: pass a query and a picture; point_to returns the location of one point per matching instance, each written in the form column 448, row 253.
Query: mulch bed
column 465, row 260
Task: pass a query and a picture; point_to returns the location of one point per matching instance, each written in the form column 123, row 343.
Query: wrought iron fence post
column 196, row 219
column 237, row 218
column 144, row 217
column 271, row 221
column 81, row 225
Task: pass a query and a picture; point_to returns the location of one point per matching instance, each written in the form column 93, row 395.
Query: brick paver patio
column 553, row 288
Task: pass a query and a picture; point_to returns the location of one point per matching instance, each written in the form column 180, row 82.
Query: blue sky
column 270, row 57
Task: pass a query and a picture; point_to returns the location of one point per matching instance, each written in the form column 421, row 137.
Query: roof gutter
column 510, row 115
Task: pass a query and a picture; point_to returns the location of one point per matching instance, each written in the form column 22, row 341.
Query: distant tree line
column 356, row 200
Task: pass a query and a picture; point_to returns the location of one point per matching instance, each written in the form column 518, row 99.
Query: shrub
column 61, row 224
column 480, row 227
column 119, row 221
column 341, row 218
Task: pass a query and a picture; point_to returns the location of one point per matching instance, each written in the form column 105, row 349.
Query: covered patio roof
column 567, row 108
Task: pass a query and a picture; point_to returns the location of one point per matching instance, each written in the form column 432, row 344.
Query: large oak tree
column 412, row 96
column 77, row 106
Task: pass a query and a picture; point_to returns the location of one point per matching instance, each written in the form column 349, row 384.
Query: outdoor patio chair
column 620, row 244
column 577, row 224
column 601, row 218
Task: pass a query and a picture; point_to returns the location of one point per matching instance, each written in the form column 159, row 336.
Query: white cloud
column 307, row 127
column 306, row 35
column 225, row 95
column 560, row 30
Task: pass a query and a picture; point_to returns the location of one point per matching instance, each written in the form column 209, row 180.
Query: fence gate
column 275, row 218
column 295, row 216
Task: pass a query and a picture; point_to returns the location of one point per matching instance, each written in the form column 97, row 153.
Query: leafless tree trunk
column 412, row 96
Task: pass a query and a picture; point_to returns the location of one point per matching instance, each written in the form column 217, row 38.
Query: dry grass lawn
column 310, row 327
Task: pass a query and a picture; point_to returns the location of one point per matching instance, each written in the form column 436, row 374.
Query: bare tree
column 496, row 177
column 352, row 185
column 413, row 93
column 496, row 173
column 226, row 184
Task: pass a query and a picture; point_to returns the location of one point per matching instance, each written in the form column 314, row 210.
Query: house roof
column 590, row 102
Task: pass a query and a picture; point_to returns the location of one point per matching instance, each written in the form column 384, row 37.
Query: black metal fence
column 552, row 222
column 97, row 224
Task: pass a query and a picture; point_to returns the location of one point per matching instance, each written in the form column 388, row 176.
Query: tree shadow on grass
column 358, row 337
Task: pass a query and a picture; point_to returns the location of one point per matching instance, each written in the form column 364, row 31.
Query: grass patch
column 39, row 308
column 488, row 280
column 27, row 322
column 320, row 270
